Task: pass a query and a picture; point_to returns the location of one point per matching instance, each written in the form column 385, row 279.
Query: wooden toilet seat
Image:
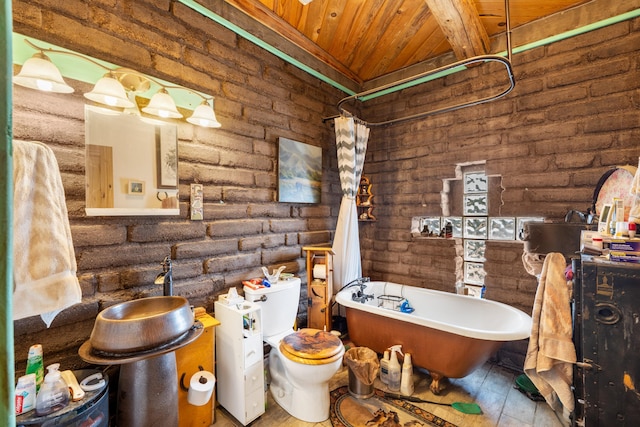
column 311, row 347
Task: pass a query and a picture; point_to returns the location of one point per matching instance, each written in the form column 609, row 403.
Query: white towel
column 44, row 260
column 551, row 353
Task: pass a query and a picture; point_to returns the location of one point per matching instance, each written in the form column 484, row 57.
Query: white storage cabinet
column 239, row 360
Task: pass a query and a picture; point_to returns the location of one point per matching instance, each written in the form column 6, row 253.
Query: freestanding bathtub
column 449, row 335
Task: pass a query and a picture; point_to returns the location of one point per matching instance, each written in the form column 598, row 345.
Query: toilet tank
column 278, row 304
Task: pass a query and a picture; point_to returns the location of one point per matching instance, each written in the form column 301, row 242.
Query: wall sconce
column 39, row 72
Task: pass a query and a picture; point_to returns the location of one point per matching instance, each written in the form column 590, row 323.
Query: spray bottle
column 406, row 384
column 394, row 368
column 384, row 367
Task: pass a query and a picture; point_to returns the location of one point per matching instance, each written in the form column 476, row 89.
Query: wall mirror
column 131, row 164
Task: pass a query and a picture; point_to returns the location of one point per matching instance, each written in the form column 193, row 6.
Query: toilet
column 301, row 363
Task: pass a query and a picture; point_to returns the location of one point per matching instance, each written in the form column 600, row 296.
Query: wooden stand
column 319, row 290
column 190, row 359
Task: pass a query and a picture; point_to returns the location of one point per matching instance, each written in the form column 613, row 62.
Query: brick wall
column 573, row 114
column 258, row 99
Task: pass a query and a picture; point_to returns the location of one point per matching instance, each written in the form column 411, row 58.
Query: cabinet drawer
column 253, row 350
column 254, row 405
column 254, row 378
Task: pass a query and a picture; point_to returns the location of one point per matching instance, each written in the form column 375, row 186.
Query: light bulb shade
column 38, row 72
column 162, row 105
column 204, row 116
column 109, row 91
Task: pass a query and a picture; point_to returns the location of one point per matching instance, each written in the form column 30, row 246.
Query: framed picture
column 299, row 172
column 135, row 188
column 167, row 156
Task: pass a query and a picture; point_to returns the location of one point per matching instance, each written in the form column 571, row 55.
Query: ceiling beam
column 460, row 23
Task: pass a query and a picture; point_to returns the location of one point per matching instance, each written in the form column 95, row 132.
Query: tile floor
column 491, row 387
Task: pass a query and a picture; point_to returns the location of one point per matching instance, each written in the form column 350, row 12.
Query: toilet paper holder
column 184, row 387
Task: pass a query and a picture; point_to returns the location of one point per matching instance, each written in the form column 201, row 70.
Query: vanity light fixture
column 162, row 105
column 204, row 115
column 109, row 91
column 39, row 72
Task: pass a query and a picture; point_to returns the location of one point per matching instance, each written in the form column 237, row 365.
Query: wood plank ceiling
column 367, row 39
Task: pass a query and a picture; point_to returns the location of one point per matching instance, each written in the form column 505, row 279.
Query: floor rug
column 347, row 411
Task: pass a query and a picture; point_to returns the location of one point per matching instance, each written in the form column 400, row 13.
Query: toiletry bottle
column 384, row 367
column 35, row 365
column 394, row 368
column 406, row 383
column 25, row 394
column 613, row 219
column 54, row 393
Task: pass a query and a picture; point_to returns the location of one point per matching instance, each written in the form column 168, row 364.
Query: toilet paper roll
column 201, row 388
column 319, row 271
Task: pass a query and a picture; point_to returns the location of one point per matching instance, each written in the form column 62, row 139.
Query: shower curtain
column 351, row 139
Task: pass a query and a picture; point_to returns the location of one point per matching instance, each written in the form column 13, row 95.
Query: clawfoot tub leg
column 437, row 383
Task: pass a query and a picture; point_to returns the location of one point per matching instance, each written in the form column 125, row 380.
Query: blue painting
column 299, row 172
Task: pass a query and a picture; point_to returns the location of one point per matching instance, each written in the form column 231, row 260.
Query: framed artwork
column 299, row 172
column 135, row 188
column 167, row 156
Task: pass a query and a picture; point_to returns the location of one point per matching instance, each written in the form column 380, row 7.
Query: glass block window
column 456, row 224
column 475, row 228
column 474, row 273
column 475, row 182
column 502, row 228
column 476, row 204
column 474, row 250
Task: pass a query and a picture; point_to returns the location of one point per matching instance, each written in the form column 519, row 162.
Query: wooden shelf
column 364, row 201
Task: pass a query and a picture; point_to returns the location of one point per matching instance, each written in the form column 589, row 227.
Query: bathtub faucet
column 360, row 296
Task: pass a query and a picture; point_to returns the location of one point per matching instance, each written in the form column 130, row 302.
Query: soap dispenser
column 54, row 393
column 384, row 368
column 394, row 368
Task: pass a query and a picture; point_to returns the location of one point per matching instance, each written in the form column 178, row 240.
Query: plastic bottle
column 406, row 383
column 35, row 364
column 384, row 367
column 54, row 393
column 395, row 371
column 25, row 394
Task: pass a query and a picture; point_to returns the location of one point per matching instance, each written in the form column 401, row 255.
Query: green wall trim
column 7, row 375
column 253, row 39
column 572, row 33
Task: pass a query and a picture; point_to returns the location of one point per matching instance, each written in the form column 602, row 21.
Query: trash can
column 363, row 367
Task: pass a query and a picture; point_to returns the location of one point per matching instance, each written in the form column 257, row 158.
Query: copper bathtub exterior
column 444, row 353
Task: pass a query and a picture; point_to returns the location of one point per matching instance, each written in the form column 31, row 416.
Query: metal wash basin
column 141, row 325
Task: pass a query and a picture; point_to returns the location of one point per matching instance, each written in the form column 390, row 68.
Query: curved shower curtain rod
column 476, row 59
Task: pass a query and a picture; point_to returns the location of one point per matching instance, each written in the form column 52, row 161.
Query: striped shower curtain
column 351, row 139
